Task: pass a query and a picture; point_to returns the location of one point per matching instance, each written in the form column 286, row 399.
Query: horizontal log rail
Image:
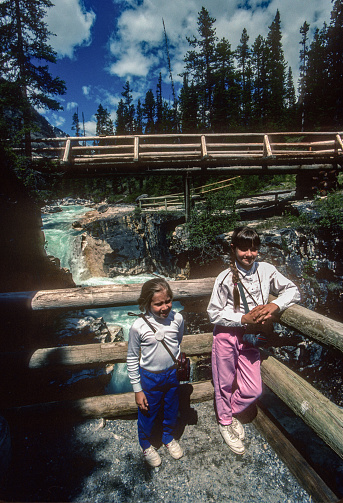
column 307, row 322
column 323, row 416
column 206, row 150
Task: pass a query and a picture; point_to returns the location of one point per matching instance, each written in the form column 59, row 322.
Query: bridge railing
column 273, row 147
column 323, row 416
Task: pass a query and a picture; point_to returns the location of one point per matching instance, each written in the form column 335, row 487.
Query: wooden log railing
column 307, row 322
column 323, row 416
column 211, row 150
column 302, row 398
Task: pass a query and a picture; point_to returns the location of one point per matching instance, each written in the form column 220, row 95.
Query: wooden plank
column 66, row 152
column 267, row 151
column 203, row 147
column 339, row 141
column 136, row 149
column 323, row 416
column 289, row 455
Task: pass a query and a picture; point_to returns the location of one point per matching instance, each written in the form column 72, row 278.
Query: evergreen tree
column 76, row 123
column 139, row 118
column 120, row 121
column 303, row 68
column 275, row 68
column 149, row 110
column 243, row 57
column 226, row 94
column 200, row 62
column 24, row 45
column 315, row 100
column 258, row 62
column 125, row 122
column 159, row 106
column 290, row 101
column 335, row 63
column 188, row 101
column 104, row 123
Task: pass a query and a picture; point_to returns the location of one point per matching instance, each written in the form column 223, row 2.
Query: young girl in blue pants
column 151, row 369
column 235, row 361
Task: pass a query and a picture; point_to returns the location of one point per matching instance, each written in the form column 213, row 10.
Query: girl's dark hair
column 148, row 291
column 242, row 237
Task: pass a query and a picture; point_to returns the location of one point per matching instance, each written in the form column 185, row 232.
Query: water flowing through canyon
column 62, row 241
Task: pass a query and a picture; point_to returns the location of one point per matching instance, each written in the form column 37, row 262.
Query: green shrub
column 330, row 210
column 214, row 218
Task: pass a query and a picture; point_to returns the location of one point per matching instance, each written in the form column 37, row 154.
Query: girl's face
column 161, row 304
column 245, row 256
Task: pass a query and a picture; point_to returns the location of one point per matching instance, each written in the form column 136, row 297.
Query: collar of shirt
column 244, row 273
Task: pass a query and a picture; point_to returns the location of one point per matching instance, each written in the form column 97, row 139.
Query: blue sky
column 103, row 43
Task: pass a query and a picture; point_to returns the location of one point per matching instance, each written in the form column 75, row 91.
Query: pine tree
column 335, row 63
column 139, row 118
column 226, row 94
column 125, row 122
column 24, row 45
column 120, row 121
column 104, row 123
column 290, row 102
column 303, row 68
column 275, row 68
column 188, row 101
column 76, row 123
column 149, row 111
column 258, row 62
column 243, row 57
column 316, row 106
column 200, row 65
column 159, row 106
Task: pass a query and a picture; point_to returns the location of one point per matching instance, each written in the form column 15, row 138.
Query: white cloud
column 71, row 105
column 90, row 127
column 69, row 20
column 86, row 90
column 138, row 45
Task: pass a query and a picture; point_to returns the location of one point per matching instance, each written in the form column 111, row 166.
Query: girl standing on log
column 152, row 371
column 239, row 308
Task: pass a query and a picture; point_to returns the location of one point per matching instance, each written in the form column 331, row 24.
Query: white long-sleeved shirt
column 221, row 309
column 145, row 351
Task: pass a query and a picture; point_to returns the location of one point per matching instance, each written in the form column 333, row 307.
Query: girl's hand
column 141, row 400
column 261, row 314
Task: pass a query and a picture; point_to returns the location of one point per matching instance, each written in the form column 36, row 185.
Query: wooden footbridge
column 233, row 153
column 323, row 416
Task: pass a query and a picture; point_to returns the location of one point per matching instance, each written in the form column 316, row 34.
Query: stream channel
column 60, row 238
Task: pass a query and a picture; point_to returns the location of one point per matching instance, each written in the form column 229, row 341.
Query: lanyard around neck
column 245, row 288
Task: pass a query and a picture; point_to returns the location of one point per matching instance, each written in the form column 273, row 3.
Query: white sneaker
column 232, row 440
column 151, row 456
column 238, row 428
column 174, row 449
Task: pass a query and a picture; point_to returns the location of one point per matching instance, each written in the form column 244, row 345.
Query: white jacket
column 145, row 351
column 221, row 310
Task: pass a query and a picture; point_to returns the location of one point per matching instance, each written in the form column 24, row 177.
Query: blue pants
column 162, row 391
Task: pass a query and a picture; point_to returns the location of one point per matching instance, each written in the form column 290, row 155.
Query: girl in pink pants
column 238, row 307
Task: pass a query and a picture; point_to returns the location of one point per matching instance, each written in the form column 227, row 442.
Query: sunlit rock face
column 115, row 244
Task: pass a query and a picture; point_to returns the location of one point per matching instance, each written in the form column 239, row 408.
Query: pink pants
column 234, row 363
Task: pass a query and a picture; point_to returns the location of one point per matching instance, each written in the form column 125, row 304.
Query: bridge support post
column 187, row 192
